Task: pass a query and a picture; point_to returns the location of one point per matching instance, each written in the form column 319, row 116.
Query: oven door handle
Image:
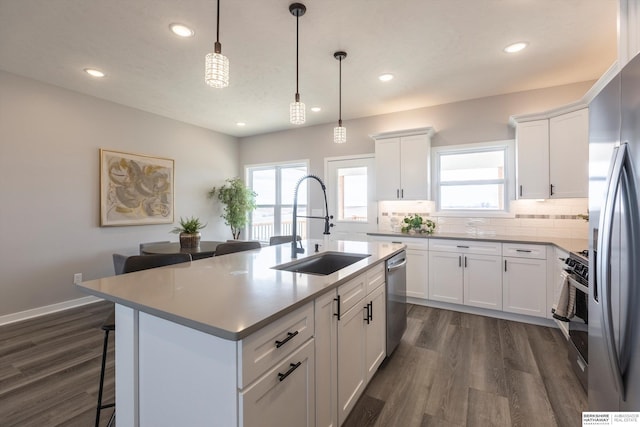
column 578, row 285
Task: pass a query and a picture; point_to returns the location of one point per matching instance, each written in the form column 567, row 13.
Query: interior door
column 351, row 197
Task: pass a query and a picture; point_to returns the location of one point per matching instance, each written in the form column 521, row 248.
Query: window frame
column 278, row 206
column 508, row 146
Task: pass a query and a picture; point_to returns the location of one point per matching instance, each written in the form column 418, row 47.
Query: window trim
column 508, row 145
column 277, row 217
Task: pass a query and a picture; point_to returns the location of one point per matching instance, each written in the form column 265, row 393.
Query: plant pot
column 189, row 240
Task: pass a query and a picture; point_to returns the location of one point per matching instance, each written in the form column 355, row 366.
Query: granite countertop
column 234, row 295
column 567, row 244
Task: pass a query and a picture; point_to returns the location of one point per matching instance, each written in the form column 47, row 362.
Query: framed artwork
column 135, row 189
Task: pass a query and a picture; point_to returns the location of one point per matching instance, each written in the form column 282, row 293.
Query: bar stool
column 131, row 264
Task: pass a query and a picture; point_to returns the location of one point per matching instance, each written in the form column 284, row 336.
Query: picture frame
column 135, row 189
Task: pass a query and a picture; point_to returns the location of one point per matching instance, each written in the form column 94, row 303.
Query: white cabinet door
column 483, row 281
column 388, row 169
column 569, row 154
column 417, row 273
column 524, row 286
column 415, row 166
column 283, row 396
column 403, row 167
column 326, row 349
column 532, row 153
column 351, row 359
column 375, row 331
column 445, row 277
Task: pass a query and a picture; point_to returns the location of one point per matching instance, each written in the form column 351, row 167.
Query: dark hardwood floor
column 451, row 369
column 50, row 369
column 457, row 369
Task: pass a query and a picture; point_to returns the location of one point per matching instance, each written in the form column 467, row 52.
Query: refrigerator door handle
column 616, row 175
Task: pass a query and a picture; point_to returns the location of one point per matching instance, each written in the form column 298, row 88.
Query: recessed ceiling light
column 316, row 109
column 181, row 30
column 241, row 124
column 516, row 47
column 93, row 72
column 385, row 77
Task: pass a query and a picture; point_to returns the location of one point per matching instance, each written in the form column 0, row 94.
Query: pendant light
column 296, row 109
column 340, row 132
column 216, row 72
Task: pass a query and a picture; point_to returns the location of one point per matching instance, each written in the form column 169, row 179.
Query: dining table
column 206, row 249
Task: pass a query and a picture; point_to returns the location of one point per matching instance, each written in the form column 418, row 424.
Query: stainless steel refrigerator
column 614, row 244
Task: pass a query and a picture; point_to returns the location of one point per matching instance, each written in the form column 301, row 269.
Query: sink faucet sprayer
column 295, row 250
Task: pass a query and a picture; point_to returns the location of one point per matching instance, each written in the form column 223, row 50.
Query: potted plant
column 416, row 224
column 238, row 200
column 189, row 231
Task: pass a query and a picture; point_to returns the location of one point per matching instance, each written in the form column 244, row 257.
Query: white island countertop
column 234, row 295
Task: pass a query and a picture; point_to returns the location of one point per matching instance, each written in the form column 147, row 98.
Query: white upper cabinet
column 532, row 152
column 553, row 156
column 569, row 155
column 403, row 165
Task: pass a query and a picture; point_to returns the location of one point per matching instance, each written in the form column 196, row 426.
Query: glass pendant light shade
column 297, row 114
column 216, row 69
column 340, row 134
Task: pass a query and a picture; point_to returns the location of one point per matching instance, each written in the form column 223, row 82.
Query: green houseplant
column 189, row 231
column 238, row 201
column 417, row 224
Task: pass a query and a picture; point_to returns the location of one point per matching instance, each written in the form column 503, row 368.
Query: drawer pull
column 366, row 316
column 371, row 311
column 284, row 341
column 292, row 367
column 463, row 246
column 524, row 250
column 338, row 313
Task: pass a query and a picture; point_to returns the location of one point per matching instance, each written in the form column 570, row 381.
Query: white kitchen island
column 224, row 341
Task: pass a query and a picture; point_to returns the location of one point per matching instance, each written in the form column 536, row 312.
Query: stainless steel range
column 577, row 268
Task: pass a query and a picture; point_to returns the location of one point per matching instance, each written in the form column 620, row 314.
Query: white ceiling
column 440, row 51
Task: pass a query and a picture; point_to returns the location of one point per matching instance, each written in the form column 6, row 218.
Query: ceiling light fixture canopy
column 216, row 72
column 340, row 132
column 296, row 109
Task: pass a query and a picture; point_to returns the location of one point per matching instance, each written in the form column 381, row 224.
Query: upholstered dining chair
column 131, row 264
column 277, row 240
column 231, row 247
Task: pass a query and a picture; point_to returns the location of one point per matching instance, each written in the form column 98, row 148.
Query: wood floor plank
column 516, row 351
column 487, row 409
column 365, row 413
column 528, row 401
column 487, row 364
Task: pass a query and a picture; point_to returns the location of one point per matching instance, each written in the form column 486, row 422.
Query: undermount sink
column 322, row 264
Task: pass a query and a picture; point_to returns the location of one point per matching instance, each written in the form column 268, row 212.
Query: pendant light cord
column 218, row 23
column 297, row 50
column 340, row 96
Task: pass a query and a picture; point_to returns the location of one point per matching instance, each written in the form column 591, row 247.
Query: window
column 473, row 177
column 274, row 186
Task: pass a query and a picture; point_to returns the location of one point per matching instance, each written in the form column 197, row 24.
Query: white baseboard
column 484, row 312
column 47, row 309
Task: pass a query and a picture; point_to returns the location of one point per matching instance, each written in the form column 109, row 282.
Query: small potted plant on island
column 189, row 231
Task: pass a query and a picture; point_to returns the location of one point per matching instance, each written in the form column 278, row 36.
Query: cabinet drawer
column 375, row 277
column 261, row 350
column 466, row 246
column 352, row 292
column 520, row 250
column 283, row 396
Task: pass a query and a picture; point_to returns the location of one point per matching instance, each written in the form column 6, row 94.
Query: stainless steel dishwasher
column 396, row 300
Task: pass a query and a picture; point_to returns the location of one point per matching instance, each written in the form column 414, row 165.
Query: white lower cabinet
column 525, row 279
column 465, row 272
column 350, row 341
column 285, row 395
column 417, row 271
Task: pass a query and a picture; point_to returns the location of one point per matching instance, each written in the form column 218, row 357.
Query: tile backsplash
column 557, row 218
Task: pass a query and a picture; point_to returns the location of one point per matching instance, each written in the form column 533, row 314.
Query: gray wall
column 49, row 182
column 477, row 120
